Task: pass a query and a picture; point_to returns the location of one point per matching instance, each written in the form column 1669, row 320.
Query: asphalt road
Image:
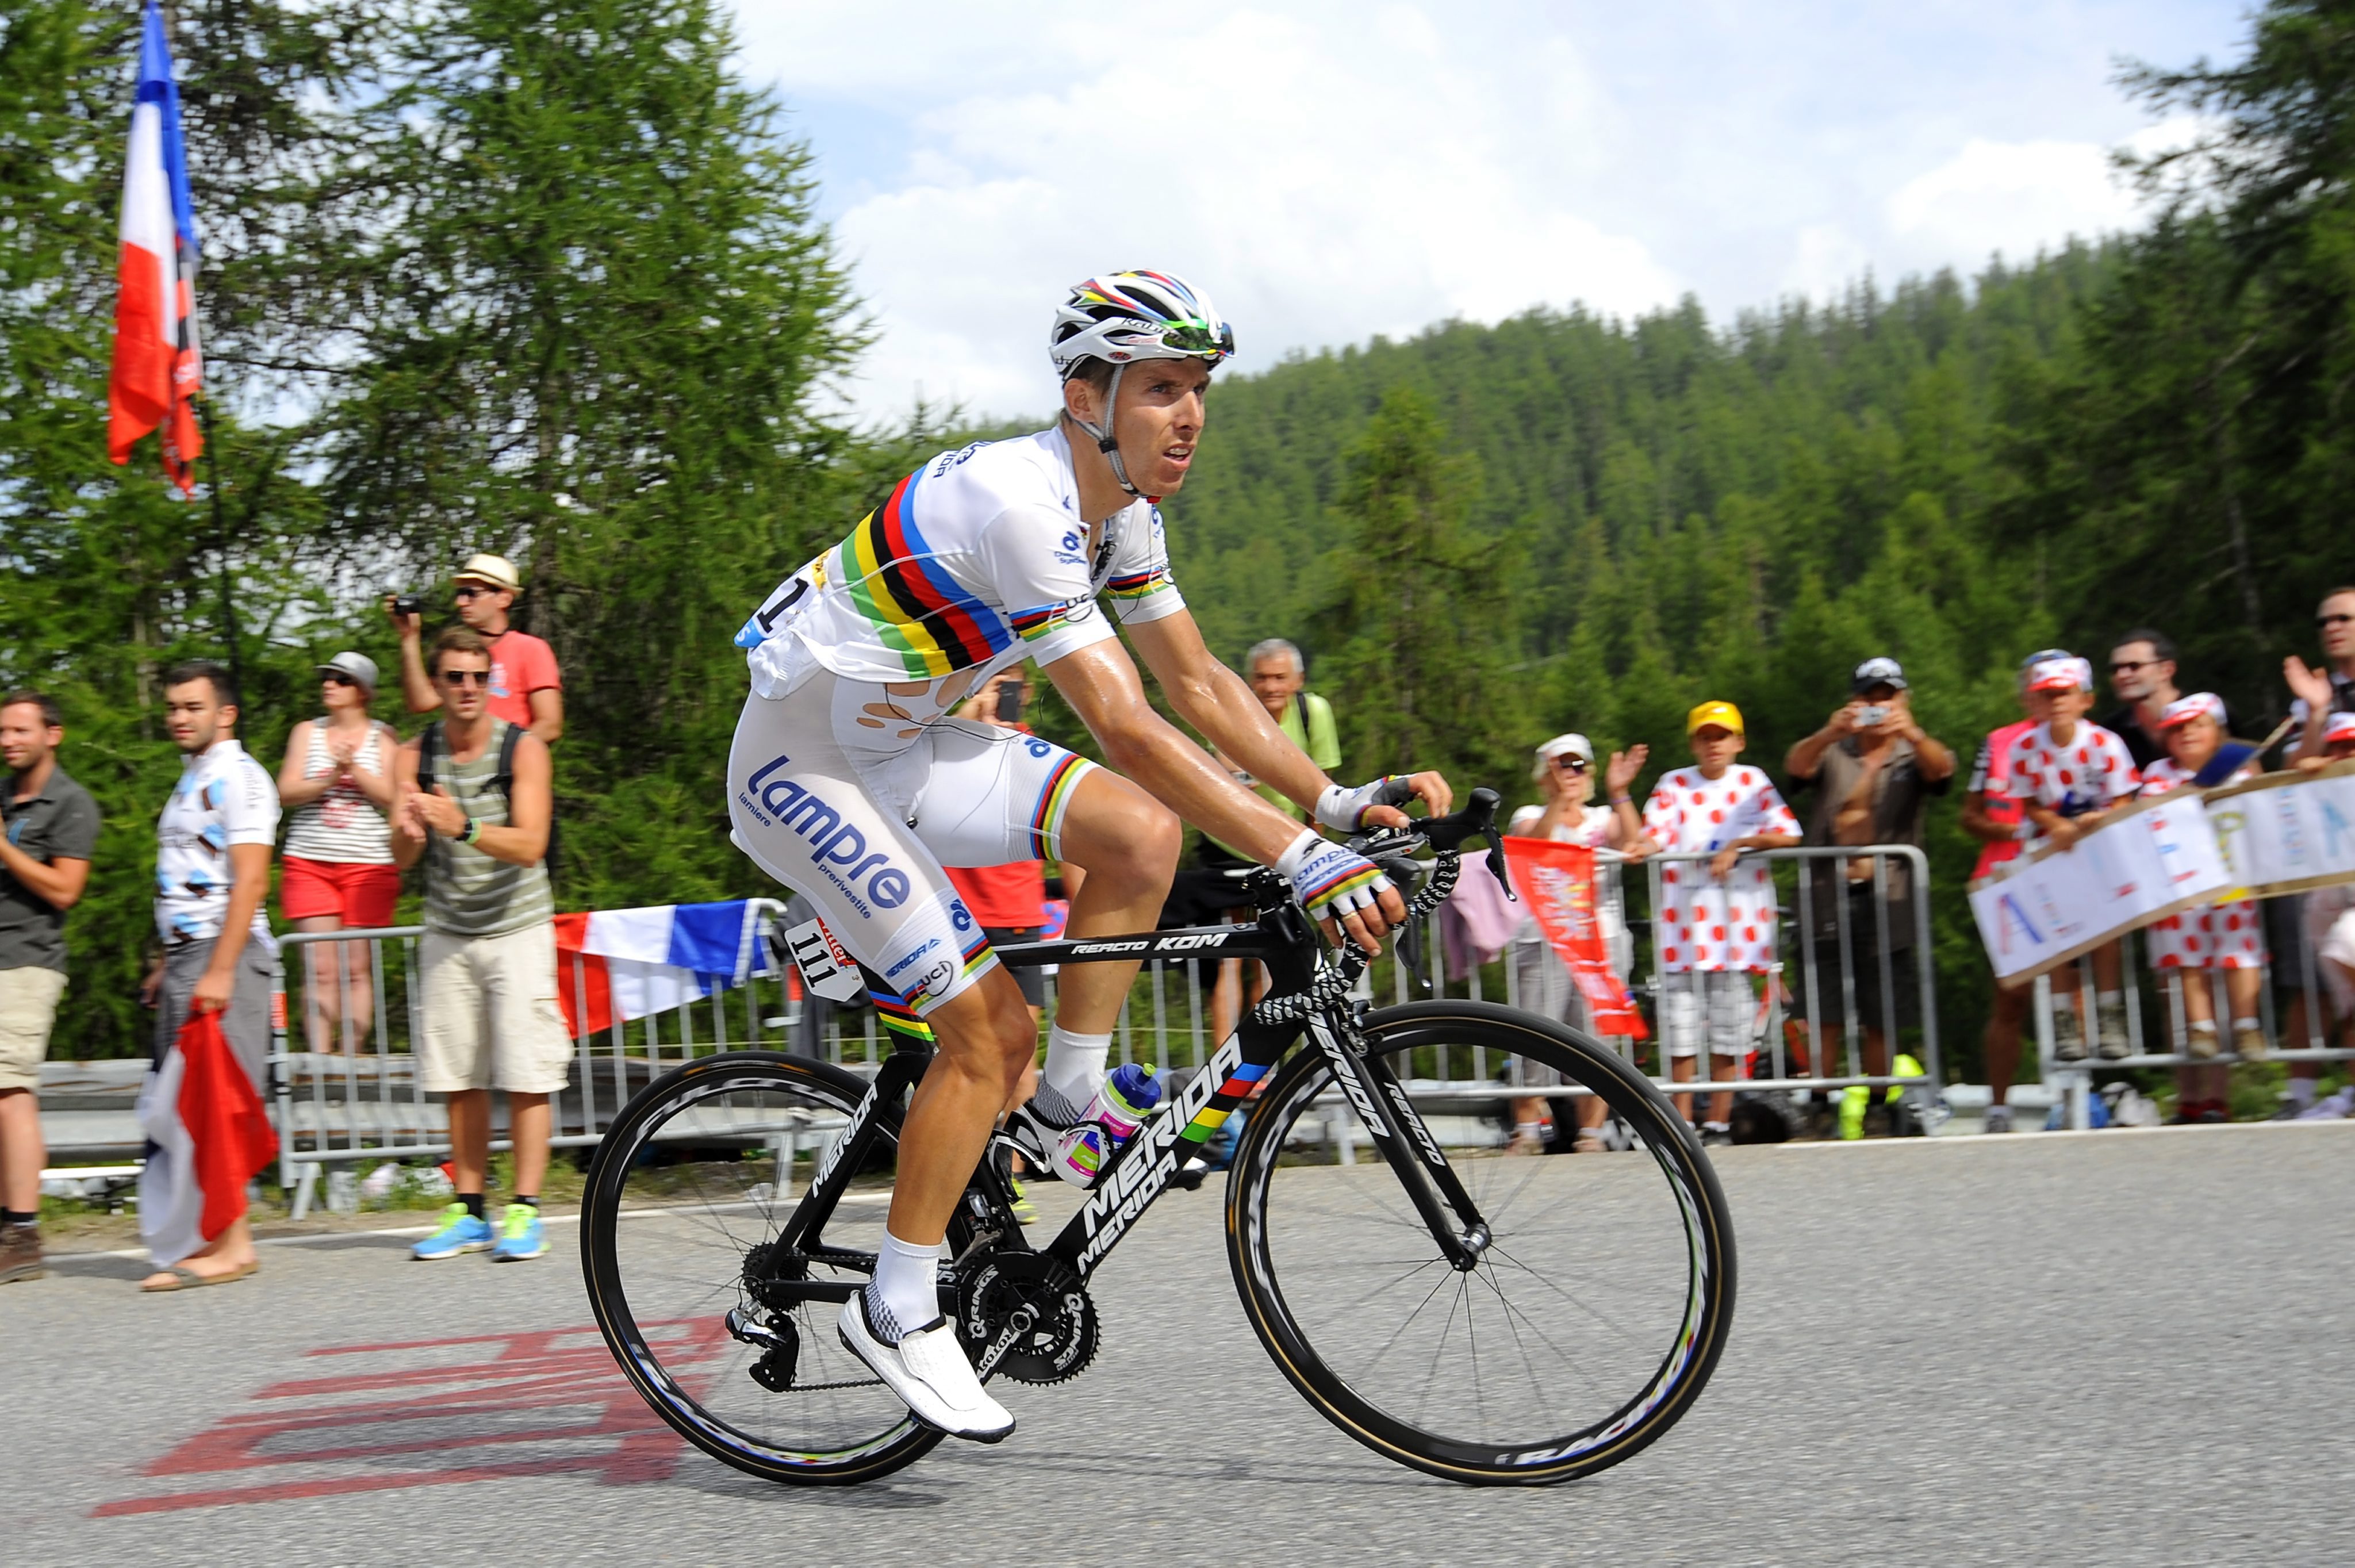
column 2121, row 1347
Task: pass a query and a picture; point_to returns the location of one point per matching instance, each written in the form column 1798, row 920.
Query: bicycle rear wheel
column 679, row 1230
column 1584, row 1331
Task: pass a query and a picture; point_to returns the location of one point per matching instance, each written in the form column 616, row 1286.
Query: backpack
column 431, row 748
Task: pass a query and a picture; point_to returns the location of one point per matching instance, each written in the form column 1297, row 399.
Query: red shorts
column 358, row 893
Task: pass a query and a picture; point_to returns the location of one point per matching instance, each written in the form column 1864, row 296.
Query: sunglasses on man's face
column 2325, row 622
column 465, row 678
column 1571, row 765
column 339, row 681
column 469, row 590
column 2128, row 667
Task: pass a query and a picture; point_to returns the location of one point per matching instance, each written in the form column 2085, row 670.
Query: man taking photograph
column 527, row 689
column 52, row 827
column 473, row 802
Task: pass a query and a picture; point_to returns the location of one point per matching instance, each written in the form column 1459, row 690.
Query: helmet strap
column 1105, row 443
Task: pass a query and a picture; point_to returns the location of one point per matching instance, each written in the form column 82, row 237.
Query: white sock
column 1528, row 1129
column 2301, row 1092
column 905, row 1287
column 1075, row 1063
column 2240, row 1024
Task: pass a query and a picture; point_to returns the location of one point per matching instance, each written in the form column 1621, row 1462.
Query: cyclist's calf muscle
column 985, row 1039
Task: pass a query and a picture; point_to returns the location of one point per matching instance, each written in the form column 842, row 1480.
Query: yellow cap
column 1724, row 715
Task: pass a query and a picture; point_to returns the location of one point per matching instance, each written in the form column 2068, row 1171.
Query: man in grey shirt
column 1873, row 770
column 52, row 829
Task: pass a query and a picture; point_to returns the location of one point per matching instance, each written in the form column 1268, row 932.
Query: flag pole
column 221, row 539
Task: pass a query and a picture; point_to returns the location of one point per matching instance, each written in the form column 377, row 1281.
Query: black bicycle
column 1490, row 1319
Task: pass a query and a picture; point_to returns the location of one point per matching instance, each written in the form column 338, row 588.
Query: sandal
column 185, row 1278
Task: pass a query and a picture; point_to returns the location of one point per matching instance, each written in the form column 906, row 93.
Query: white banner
column 2286, row 832
column 2143, row 863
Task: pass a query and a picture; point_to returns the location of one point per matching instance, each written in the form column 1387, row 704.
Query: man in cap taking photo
column 1874, row 770
column 526, row 688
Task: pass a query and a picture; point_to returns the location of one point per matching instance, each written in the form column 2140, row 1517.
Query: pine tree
column 1421, row 622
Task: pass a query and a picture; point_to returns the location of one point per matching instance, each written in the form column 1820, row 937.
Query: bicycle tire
column 1631, row 1424
column 642, row 1360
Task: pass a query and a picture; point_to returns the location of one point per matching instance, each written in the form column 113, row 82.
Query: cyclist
column 851, row 781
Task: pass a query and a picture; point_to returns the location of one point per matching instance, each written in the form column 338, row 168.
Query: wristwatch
column 474, row 830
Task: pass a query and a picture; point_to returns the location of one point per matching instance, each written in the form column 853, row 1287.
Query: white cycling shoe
column 928, row 1370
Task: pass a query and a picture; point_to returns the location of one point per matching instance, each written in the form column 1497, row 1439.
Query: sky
column 1330, row 171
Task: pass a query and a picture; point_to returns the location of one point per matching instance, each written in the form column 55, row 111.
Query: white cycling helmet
column 1121, row 317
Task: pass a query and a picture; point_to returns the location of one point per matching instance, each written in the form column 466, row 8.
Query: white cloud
column 2012, row 196
column 1329, row 171
column 1322, row 185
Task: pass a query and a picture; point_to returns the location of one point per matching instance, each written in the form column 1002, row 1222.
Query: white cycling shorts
column 855, row 795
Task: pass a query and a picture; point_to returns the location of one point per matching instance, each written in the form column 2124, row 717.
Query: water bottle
column 1127, row 1097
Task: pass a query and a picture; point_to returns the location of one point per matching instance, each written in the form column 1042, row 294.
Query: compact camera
column 1871, row 714
column 408, row 604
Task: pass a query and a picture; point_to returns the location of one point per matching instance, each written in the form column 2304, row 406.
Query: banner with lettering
column 2284, row 832
column 2145, row 862
column 1557, row 881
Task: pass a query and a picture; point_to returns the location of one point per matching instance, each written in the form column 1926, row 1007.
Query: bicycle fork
column 1397, row 1129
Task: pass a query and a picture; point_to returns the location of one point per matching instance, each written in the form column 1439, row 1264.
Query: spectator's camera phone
column 1010, row 702
column 1871, row 714
column 408, row 604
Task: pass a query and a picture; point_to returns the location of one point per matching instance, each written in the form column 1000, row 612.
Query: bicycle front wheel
column 1584, row 1329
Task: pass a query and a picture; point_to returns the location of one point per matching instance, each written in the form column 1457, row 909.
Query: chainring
column 1060, row 1343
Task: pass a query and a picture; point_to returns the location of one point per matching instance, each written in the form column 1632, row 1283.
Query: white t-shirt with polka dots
column 2094, row 770
column 2209, row 936
column 1704, row 924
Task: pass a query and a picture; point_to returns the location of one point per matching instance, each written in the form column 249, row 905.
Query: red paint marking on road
column 544, row 1388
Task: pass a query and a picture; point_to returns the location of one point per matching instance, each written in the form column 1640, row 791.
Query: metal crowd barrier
column 2161, row 992
column 357, row 1096
column 1796, row 975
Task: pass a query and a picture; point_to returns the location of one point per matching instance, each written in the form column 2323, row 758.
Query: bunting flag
column 207, row 1136
column 156, row 366
column 613, row 965
column 1557, row 882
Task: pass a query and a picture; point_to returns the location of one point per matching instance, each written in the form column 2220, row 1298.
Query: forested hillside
column 546, row 279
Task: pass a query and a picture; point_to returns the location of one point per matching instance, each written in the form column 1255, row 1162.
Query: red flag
column 156, row 368
column 1557, row 881
column 210, row 1136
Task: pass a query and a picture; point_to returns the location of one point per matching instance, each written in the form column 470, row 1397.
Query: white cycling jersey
column 848, row 781
column 977, row 561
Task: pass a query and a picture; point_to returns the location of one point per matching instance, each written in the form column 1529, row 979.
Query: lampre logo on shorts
column 838, row 849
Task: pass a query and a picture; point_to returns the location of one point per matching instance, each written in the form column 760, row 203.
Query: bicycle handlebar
column 1447, row 835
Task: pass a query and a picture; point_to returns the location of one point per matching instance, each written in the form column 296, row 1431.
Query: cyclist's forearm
column 1231, row 717
column 1182, row 776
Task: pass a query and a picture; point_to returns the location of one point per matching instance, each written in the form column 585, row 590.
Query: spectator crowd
column 467, row 804
column 469, row 798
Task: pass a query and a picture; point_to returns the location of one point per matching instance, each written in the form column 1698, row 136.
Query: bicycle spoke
column 1490, row 1358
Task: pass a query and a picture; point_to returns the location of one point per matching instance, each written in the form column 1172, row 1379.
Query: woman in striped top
column 337, row 784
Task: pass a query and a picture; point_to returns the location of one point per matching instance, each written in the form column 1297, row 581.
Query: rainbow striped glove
column 1329, row 878
column 1344, row 810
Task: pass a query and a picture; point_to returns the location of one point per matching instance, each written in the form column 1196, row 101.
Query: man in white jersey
column 851, row 782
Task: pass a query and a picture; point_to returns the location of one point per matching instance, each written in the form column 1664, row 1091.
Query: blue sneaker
column 520, row 1235
column 460, row 1232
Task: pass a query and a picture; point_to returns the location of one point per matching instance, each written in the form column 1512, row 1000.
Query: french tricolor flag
column 156, row 366
column 207, row 1136
column 617, row 964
